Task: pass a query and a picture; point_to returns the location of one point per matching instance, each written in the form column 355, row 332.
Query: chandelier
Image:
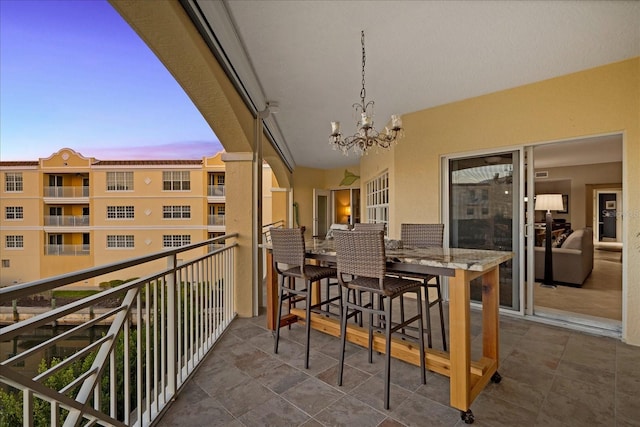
column 366, row 135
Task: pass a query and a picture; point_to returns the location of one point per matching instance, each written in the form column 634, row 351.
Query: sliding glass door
column 484, row 207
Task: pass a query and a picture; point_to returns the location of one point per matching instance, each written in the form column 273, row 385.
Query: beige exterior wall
column 592, row 102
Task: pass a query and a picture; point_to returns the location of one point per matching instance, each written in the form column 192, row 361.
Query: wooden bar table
column 467, row 378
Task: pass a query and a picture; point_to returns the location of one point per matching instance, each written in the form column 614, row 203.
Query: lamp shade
column 549, row 202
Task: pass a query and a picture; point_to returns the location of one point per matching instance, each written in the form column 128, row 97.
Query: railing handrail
column 42, row 285
column 162, row 328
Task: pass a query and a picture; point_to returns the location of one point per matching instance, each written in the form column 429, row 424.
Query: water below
column 63, row 349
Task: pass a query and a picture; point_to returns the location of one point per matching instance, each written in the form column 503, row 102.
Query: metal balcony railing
column 162, row 328
column 67, row 249
column 215, row 220
column 215, row 190
column 70, row 192
column 66, row 221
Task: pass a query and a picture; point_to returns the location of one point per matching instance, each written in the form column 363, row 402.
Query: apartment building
column 68, row 212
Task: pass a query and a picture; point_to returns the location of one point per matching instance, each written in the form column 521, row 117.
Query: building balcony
column 66, row 195
column 73, row 250
column 215, row 193
column 66, row 221
column 216, row 223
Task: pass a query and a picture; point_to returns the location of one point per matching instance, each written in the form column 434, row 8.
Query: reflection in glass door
column 484, row 214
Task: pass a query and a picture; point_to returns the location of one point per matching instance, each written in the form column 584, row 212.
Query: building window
column 13, row 181
column 120, row 212
column 176, row 212
column 220, row 179
column 175, row 240
column 13, row 212
column 119, row 181
column 120, row 241
column 378, row 199
column 176, row 180
column 221, row 210
column 14, row 242
column 6, row 263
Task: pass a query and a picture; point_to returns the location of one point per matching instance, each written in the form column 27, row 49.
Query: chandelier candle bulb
column 366, row 121
column 335, row 128
column 396, row 122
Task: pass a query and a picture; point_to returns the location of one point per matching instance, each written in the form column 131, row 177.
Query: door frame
column 568, row 319
column 317, row 193
column 518, row 220
column 605, row 189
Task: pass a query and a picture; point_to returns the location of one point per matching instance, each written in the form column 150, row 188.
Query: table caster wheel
column 467, row 416
column 496, row 378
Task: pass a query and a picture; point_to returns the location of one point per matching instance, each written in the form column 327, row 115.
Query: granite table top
column 447, row 258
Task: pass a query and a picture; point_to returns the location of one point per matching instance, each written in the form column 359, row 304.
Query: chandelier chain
column 363, row 92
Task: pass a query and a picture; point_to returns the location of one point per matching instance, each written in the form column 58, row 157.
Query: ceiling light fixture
column 366, row 136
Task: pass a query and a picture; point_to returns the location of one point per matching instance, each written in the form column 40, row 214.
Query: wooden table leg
column 460, row 339
column 491, row 315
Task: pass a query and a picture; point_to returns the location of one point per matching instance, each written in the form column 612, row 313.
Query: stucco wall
column 592, row 102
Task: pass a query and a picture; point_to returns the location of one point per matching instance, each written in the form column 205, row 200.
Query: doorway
column 339, row 206
column 588, row 173
column 608, row 226
column 321, row 212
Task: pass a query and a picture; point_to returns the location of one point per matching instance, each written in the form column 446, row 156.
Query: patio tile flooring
column 550, row 377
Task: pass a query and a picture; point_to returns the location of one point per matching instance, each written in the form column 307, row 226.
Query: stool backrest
column 288, row 246
column 365, row 226
column 361, row 253
column 422, row 235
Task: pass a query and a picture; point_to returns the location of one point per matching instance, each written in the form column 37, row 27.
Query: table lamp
column 548, row 202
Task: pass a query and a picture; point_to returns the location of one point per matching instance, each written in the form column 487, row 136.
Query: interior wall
column 342, row 201
column 578, row 178
column 597, row 101
column 561, row 186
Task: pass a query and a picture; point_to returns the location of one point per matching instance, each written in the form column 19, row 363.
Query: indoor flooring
column 599, row 296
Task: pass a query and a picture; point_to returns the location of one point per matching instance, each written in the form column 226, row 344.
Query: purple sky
column 74, row 74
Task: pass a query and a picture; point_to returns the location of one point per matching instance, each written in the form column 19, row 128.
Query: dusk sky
column 74, row 74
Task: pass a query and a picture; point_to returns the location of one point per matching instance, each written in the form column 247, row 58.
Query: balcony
column 164, row 323
column 215, row 193
column 66, row 221
column 216, row 223
column 66, row 195
column 182, row 311
column 72, row 250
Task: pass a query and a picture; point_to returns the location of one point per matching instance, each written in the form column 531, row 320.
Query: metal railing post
column 172, row 341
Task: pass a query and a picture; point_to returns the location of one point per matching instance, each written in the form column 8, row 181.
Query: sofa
column 572, row 259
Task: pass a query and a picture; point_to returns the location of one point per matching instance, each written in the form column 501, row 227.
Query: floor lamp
column 548, row 202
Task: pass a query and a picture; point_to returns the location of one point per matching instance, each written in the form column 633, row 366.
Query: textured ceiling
column 307, row 55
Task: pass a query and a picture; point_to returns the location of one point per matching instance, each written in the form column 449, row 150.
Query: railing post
column 172, row 326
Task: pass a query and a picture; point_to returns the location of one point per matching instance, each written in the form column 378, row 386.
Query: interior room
column 588, row 175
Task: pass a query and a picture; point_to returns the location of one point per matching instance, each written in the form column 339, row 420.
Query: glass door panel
column 484, row 214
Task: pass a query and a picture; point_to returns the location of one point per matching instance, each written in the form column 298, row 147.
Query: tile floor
column 551, row 377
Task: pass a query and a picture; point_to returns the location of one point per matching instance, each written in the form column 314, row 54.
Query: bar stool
column 361, row 262
column 289, row 249
column 426, row 236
